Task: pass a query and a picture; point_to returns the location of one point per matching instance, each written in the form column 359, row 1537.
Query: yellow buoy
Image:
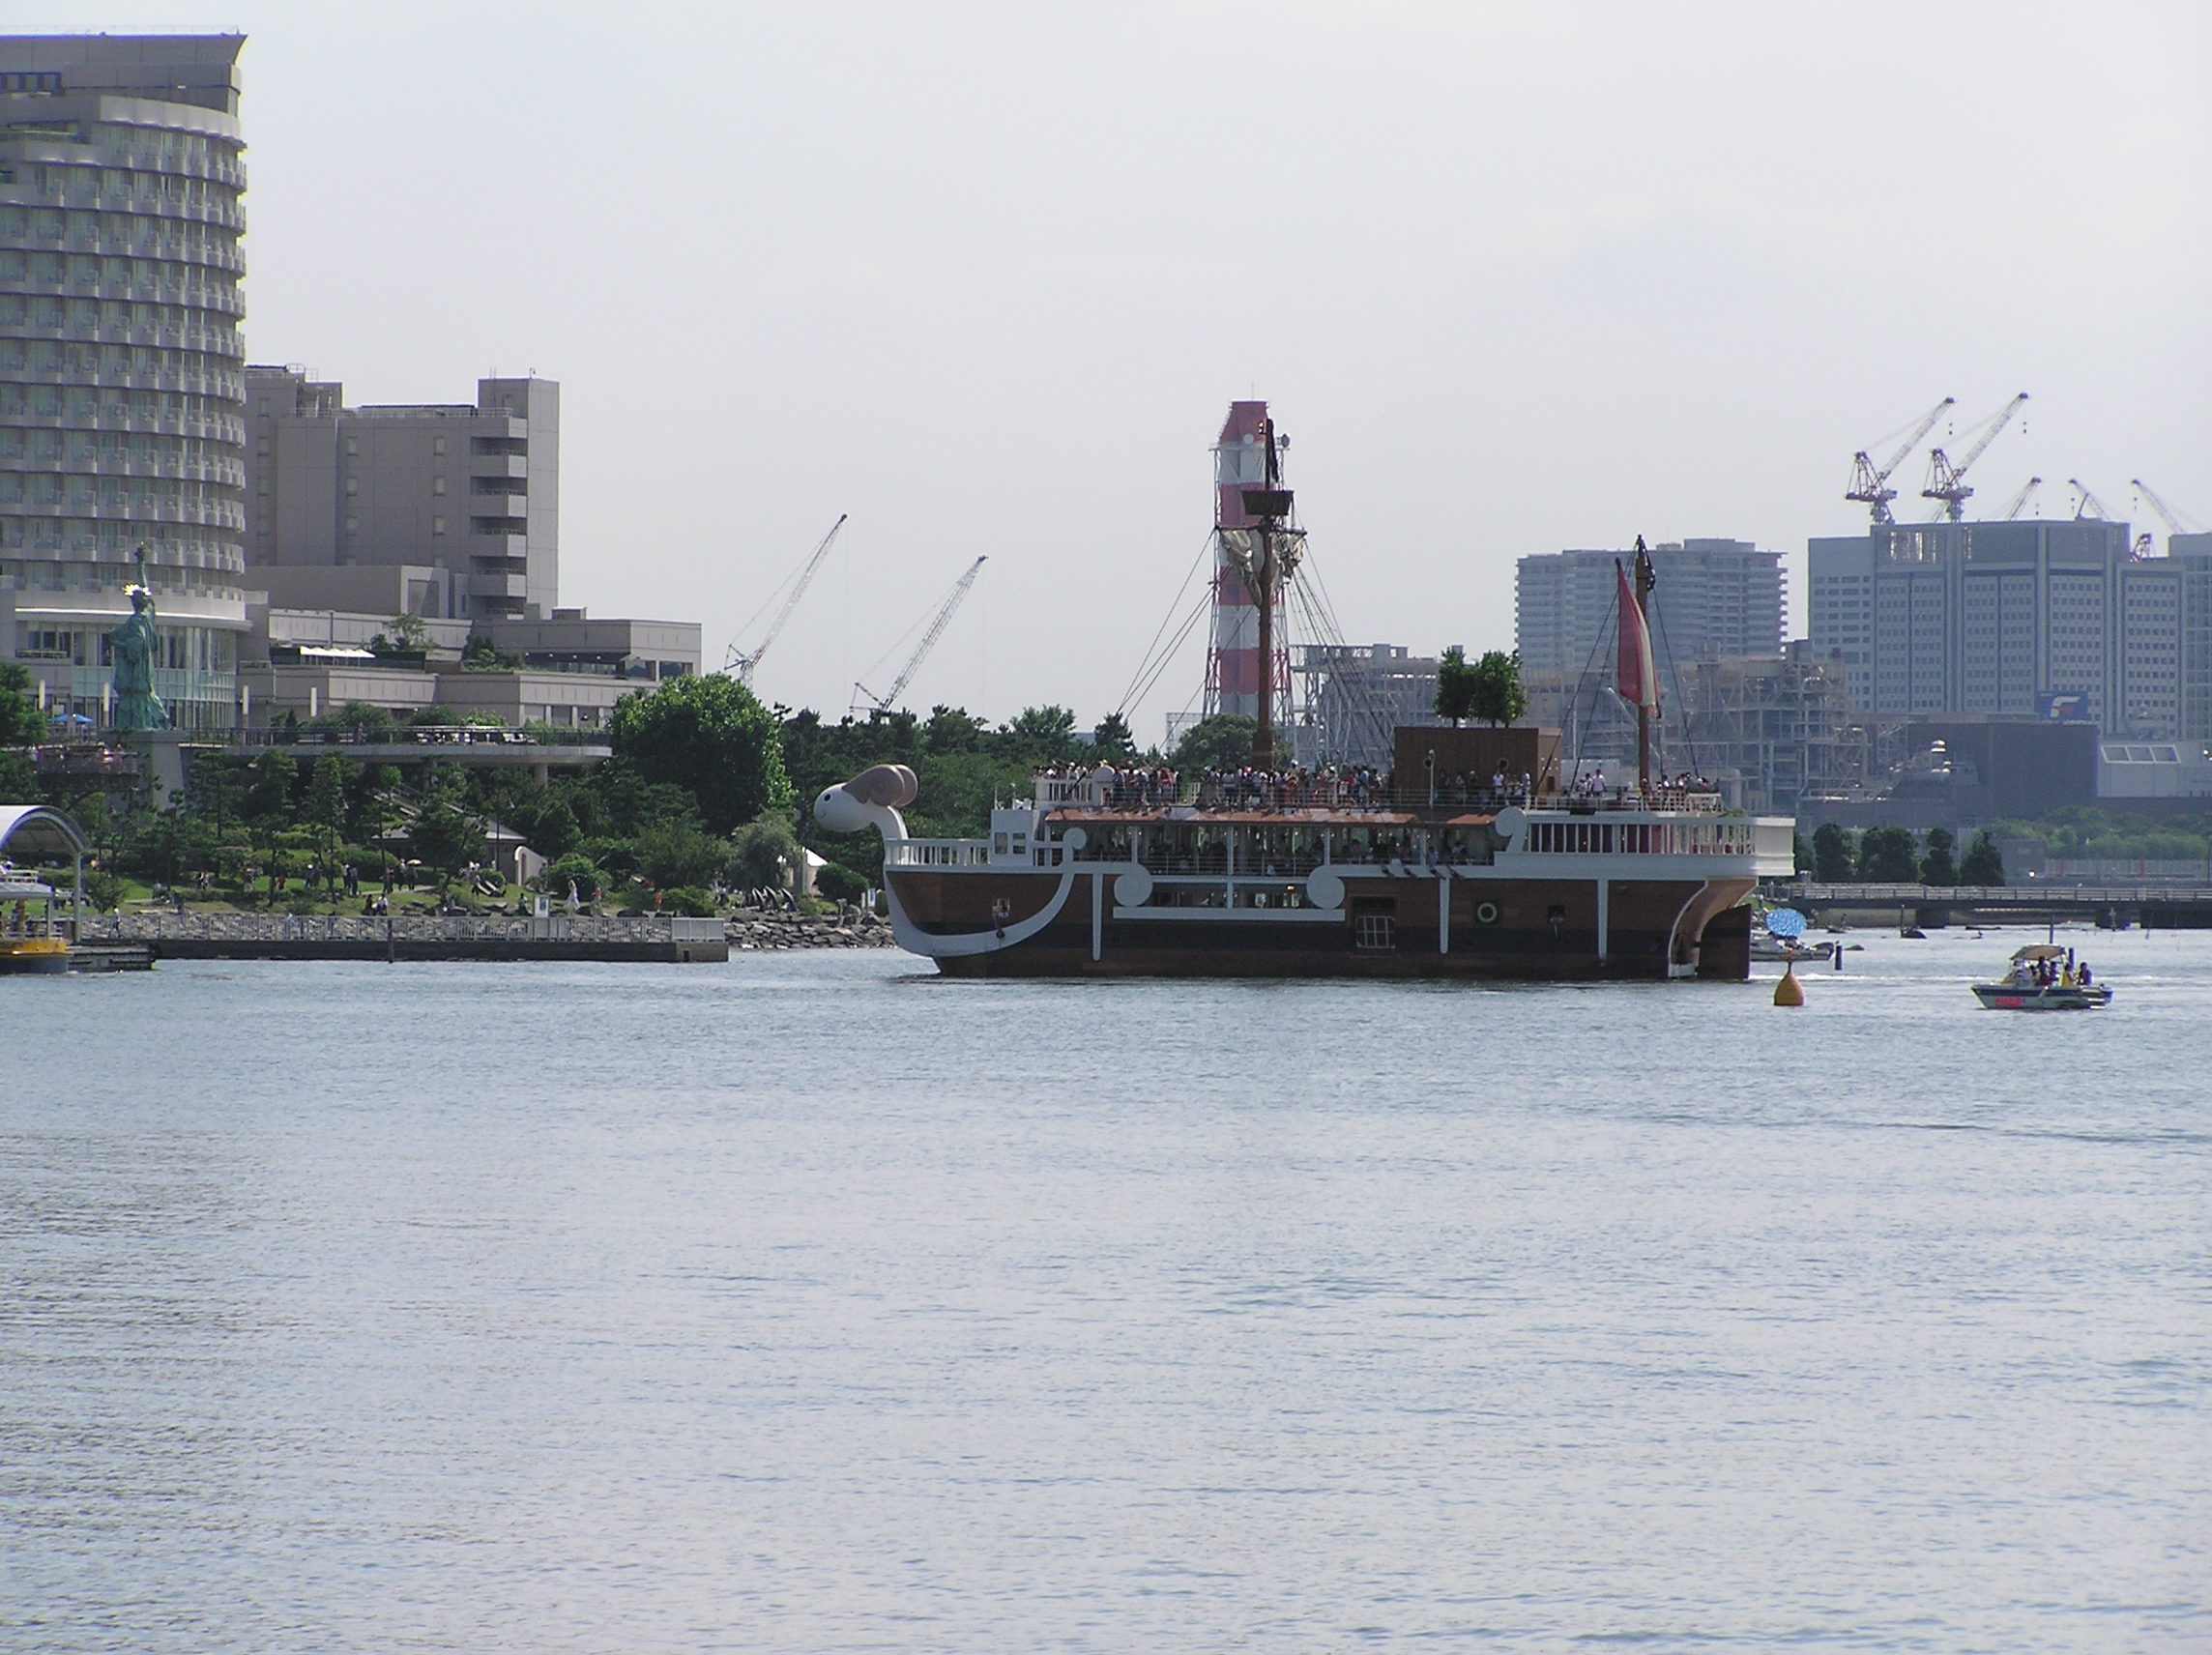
column 1789, row 991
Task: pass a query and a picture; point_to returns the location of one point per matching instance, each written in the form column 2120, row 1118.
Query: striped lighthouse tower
column 1233, row 650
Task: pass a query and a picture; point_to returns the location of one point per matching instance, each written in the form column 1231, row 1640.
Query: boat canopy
column 2042, row 952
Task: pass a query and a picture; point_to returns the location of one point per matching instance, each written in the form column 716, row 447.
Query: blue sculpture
column 133, row 648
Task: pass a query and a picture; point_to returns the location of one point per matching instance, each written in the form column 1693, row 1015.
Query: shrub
column 761, row 850
column 555, row 876
column 840, row 884
column 688, row 901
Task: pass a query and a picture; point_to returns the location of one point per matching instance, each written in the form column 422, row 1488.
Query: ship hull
column 1067, row 924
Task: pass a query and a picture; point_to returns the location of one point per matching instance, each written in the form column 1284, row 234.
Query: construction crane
column 1870, row 485
column 2173, row 520
column 944, row 619
column 2019, row 501
column 2090, row 506
column 743, row 662
column 1946, row 482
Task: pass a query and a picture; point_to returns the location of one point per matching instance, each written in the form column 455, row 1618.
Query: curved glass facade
column 122, row 367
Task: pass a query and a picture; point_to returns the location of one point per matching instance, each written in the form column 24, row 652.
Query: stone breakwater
column 464, row 936
column 762, row 930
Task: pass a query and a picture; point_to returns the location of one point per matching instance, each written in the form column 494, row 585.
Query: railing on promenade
column 422, row 735
column 2085, row 896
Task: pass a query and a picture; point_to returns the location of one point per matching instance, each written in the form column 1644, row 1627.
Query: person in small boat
column 2083, row 976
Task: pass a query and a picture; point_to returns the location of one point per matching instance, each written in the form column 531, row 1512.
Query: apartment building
column 1713, row 597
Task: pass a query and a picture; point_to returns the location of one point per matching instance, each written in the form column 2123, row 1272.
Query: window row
column 113, row 402
column 111, row 493
column 206, row 546
column 114, row 448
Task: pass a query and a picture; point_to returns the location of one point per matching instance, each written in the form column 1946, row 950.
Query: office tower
column 463, row 497
column 122, row 392
column 2030, row 618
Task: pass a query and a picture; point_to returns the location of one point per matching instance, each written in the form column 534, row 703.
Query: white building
column 1711, row 598
column 121, row 392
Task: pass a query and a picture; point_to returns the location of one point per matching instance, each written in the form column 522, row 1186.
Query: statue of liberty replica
column 133, row 647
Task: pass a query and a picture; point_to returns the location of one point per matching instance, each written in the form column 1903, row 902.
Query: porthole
column 1486, row 912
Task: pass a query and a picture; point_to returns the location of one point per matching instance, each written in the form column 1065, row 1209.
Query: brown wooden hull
column 1008, row 924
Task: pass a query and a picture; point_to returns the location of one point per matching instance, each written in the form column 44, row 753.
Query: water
column 815, row 1303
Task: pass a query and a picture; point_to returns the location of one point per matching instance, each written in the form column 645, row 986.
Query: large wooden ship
column 1099, row 876
column 1469, row 860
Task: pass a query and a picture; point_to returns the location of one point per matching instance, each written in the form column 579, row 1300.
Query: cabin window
column 1375, row 926
column 998, row 844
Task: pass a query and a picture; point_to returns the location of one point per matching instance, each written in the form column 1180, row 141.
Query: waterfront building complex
column 122, row 386
column 1712, row 598
column 281, row 530
column 2030, row 618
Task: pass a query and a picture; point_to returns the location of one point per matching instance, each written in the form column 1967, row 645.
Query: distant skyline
column 986, row 278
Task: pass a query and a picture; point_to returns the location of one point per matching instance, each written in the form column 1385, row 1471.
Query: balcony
column 500, row 586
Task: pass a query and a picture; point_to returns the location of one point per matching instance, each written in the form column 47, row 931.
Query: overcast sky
column 1513, row 279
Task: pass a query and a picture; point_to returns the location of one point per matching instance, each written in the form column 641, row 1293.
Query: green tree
column 21, row 723
column 269, row 794
column 547, row 822
column 1889, row 856
column 1982, row 866
column 1498, row 698
column 763, row 851
column 673, row 854
column 327, row 785
column 1113, row 739
column 1936, row 866
column 1456, row 687
column 1831, row 854
column 445, row 836
column 1223, row 741
column 950, row 730
column 710, row 735
column 1802, row 853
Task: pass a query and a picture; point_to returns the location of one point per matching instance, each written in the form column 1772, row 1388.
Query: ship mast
column 1645, row 579
column 1268, row 506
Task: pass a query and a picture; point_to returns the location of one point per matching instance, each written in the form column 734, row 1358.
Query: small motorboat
column 34, row 933
column 2044, row 978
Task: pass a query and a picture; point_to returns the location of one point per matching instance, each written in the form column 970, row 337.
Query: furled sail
column 1634, row 677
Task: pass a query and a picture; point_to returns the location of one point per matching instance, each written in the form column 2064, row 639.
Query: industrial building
column 122, row 390
column 1713, row 598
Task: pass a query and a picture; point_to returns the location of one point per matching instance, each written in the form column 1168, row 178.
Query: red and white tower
column 1248, row 448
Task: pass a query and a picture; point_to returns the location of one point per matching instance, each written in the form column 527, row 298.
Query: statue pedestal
column 163, row 758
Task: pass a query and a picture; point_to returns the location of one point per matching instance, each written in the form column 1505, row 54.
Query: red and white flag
column 1634, row 677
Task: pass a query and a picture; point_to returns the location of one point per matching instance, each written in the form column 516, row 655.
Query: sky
column 1513, row 279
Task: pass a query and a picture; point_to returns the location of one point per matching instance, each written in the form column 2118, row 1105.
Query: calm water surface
column 815, row 1303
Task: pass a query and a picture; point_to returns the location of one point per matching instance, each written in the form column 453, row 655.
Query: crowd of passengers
column 1666, row 789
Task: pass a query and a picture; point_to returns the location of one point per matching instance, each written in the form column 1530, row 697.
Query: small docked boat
column 2045, row 977
column 34, row 932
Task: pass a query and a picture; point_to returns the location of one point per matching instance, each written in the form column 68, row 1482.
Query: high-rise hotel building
column 122, row 370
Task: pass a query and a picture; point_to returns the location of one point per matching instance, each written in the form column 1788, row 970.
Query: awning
column 37, row 830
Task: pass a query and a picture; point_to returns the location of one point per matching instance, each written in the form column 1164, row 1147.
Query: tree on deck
column 1457, row 687
column 1498, row 697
